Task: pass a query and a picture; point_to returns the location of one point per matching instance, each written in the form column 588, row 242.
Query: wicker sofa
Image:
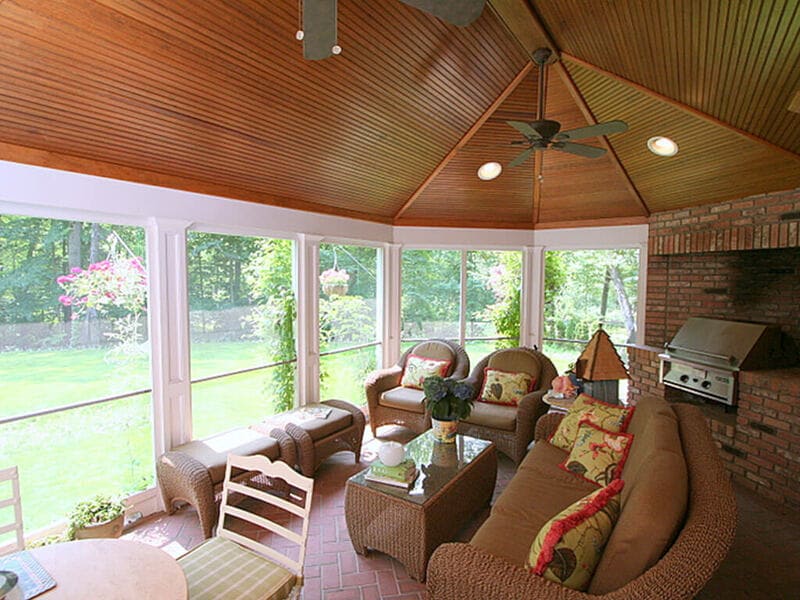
column 676, row 525
column 510, row 427
column 389, row 403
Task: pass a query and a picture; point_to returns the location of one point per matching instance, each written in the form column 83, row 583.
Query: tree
column 575, row 307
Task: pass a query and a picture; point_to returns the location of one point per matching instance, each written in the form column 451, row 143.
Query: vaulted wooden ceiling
column 215, row 97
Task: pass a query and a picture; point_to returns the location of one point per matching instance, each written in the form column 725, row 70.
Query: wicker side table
column 410, row 525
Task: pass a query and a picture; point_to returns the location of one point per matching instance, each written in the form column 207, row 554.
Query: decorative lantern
column 601, row 368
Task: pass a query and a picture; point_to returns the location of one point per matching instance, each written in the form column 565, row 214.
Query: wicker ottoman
column 316, row 439
column 194, row 472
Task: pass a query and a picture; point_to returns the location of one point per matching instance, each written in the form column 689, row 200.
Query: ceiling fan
column 319, row 21
column 543, row 134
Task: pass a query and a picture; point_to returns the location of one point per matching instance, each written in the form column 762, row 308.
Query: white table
column 111, row 570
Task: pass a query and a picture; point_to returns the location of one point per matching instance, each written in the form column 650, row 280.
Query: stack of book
column 402, row 475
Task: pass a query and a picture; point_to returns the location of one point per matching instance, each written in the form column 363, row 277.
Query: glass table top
column 438, row 464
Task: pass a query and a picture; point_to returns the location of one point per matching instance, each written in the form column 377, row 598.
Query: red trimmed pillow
column 569, row 546
column 419, row 368
column 505, row 387
column 610, row 417
column 598, row 455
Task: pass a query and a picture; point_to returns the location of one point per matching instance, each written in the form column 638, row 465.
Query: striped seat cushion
column 219, row 568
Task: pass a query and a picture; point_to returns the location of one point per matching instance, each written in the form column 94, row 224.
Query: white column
column 532, row 310
column 641, row 300
column 169, row 333
column 306, row 269
column 389, row 321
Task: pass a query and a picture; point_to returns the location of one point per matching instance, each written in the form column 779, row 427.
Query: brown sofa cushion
column 213, row 452
column 403, row 398
column 653, row 502
column 494, row 416
column 437, row 350
column 516, row 361
column 336, row 420
column 506, row 537
column 537, row 492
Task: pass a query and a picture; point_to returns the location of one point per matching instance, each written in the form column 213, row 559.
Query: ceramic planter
column 109, row 529
column 445, row 431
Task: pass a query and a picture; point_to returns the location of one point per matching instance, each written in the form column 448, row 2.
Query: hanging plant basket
column 335, row 289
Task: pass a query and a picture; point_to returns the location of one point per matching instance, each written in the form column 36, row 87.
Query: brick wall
column 735, row 260
column 768, row 434
column 760, row 285
column 753, row 223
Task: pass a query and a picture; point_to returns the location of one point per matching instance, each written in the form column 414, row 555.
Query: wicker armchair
column 509, row 427
column 388, row 403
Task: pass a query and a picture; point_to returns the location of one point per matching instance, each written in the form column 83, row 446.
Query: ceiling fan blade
column 319, row 28
column 593, row 131
column 457, row 12
column 525, row 129
column 579, row 149
column 521, row 158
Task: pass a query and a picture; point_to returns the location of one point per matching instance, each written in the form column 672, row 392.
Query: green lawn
column 108, row 448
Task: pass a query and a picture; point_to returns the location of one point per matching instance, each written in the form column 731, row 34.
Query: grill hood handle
column 726, row 357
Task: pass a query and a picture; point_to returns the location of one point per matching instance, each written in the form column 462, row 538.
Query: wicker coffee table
column 456, row 481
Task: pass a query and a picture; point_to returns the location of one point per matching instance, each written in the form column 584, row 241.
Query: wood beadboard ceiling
column 215, row 97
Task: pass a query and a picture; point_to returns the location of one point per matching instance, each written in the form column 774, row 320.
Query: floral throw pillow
column 418, row 368
column 502, row 387
column 569, row 546
column 598, row 455
column 606, row 416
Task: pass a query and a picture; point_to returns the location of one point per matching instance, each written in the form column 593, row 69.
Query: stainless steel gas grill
column 706, row 355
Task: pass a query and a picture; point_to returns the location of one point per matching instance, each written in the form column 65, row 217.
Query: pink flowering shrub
column 113, row 283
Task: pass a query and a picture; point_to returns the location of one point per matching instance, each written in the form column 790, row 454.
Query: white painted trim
column 592, row 238
column 532, row 297
column 390, row 301
column 168, row 316
column 641, row 300
column 462, row 238
column 306, row 268
column 26, row 189
column 44, row 192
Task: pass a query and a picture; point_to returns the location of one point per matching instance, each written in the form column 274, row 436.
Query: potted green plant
column 98, row 517
column 448, row 401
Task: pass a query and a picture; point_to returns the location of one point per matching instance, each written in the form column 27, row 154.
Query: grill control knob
column 684, row 378
column 705, row 385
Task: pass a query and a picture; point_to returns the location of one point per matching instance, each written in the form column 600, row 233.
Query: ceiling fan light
column 489, row 171
column 662, row 146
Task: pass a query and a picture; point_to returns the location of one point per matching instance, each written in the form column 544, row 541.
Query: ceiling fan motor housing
column 546, row 128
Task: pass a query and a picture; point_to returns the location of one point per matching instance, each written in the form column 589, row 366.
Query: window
column 431, row 295
column 75, row 402
column 494, row 283
column 348, row 320
column 432, row 298
column 242, row 324
column 584, row 289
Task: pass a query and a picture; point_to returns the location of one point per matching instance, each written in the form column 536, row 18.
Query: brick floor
column 763, row 563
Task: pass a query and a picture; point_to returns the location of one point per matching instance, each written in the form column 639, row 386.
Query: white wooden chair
column 11, row 475
column 236, row 567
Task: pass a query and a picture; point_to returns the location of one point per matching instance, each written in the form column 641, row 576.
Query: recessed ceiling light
column 663, row 146
column 489, row 171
